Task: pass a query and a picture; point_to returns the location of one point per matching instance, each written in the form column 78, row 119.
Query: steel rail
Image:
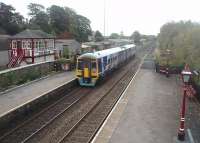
column 87, row 113
column 55, row 117
column 38, row 114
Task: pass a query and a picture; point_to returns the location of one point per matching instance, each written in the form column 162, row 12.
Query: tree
column 183, row 39
column 136, row 37
column 40, row 21
column 83, row 28
column 39, row 18
column 72, row 20
column 10, row 21
column 35, row 9
column 98, row 36
column 114, row 36
column 59, row 20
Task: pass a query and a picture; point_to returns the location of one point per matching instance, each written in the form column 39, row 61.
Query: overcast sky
column 146, row 16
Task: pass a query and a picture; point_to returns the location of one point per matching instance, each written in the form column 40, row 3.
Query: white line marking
column 108, row 117
column 190, row 136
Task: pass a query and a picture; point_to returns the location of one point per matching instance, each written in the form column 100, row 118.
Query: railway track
column 42, row 119
column 85, row 129
column 63, row 126
column 67, row 120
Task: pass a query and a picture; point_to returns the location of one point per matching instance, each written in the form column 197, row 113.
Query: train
column 94, row 66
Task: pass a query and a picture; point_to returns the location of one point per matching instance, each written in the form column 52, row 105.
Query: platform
column 148, row 111
column 19, row 96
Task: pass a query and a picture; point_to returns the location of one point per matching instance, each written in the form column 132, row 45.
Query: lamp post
column 186, row 74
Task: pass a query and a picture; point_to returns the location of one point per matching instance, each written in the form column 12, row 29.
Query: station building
column 31, row 46
column 34, row 46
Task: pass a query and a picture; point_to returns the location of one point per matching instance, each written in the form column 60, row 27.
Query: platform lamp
column 186, row 75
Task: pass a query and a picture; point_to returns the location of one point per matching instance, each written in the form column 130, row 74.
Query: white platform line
column 108, row 117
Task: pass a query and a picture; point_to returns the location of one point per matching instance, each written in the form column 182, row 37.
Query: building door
column 19, row 47
column 66, row 51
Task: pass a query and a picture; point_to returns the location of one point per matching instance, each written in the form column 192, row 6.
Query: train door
column 94, row 70
column 104, row 63
column 86, row 69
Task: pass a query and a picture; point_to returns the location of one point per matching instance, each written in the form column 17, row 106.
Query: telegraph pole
column 104, row 26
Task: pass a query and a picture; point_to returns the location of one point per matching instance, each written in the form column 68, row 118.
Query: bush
column 63, row 61
column 22, row 76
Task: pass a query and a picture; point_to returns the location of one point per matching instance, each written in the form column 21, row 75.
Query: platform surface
column 147, row 113
column 21, row 95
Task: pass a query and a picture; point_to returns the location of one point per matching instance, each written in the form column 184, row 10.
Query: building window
column 23, row 45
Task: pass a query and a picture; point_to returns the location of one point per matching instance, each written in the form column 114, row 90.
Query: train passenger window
column 99, row 65
column 94, row 67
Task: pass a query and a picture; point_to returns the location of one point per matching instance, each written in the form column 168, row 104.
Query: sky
column 146, row 16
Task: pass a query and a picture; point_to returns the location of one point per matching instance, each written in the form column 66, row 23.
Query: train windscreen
column 80, row 64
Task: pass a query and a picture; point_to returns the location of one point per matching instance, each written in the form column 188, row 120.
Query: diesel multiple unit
column 92, row 67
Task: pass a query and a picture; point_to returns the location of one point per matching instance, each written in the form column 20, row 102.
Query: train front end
column 87, row 70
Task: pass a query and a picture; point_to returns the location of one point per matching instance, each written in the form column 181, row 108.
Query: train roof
column 129, row 46
column 103, row 53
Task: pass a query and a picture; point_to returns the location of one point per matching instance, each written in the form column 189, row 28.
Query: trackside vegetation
column 54, row 20
column 182, row 39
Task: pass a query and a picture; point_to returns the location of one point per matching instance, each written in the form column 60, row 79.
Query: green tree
column 40, row 21
column 98, row 36
column 39, row 18
column 114, row 36
column 83, row 28
column 71, row 14
column 11, row 22
column 136, row 37
column 183, row 39
column 35, row 9
column 59, row 20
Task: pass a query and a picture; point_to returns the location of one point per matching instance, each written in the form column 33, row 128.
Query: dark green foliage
column 136, row 37
column 83, row 29
column 58, row 19
column 40, row 21
column 183, row 39
column 22, row 76
column 66, row 53
column 98, row 36
column 11, row 22
column 15, row 78
column 54, row 20
column 35, row 9
column 114, row 36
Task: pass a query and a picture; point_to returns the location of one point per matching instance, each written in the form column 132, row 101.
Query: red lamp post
column 186, row 74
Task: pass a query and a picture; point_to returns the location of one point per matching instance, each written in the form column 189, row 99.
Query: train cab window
column 80, row 65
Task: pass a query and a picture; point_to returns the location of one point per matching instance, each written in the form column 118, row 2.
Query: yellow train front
column 87, row 70
column 93, row 66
